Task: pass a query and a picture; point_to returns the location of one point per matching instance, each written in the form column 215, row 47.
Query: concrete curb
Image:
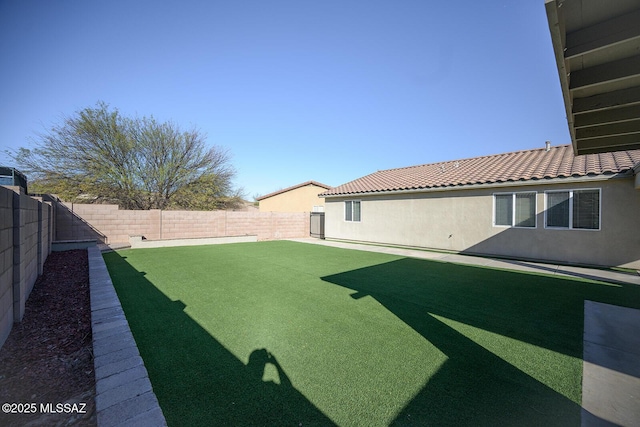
column 137, row 242
column 605, row 275
column 124, row 396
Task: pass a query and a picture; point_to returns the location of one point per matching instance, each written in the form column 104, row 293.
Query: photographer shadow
column 197, row 380
column 259, row 361
column 273, row 389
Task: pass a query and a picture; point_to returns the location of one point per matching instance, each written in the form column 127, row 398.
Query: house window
column 515, row 209
column 573, row 209
column 352, row 210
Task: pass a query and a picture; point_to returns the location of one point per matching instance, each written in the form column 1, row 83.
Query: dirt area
column 46, row 364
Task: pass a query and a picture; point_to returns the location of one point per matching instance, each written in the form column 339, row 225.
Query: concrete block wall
column 25, row 250
column 193, row 224
column 268, row 225
column 104, row 223
column 25, row 244
column 6, row 263
column 117, row 225
column 45, row 232
column 108, row 224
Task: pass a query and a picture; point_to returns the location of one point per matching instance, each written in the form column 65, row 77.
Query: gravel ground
column 46, row 364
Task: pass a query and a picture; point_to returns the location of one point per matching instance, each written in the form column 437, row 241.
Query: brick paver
column 124, row 395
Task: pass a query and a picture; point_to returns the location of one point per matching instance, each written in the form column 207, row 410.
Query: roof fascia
column 558, row 41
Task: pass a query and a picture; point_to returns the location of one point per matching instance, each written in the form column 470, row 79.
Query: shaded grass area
column 284, row 333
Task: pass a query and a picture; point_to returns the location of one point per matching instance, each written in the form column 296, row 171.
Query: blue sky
column 295, row 90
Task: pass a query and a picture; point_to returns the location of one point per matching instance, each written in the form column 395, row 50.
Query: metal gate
column 317, row 225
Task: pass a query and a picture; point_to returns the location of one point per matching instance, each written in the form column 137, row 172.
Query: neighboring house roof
column 304, row 184
column 515, row 167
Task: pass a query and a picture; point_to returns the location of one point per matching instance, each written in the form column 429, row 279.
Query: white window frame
column 570, row 191
column 513, row 209
column 344, row 216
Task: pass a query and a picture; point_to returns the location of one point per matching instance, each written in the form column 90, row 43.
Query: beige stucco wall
column 462, row 221
column 301, row 199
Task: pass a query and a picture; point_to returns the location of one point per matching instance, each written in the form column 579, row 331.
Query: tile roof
column 519, row 166
column 284, row 190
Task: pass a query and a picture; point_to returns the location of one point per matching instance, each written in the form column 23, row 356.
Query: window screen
column 356, row 210
column 525, row 209
column 504, row 209
column 558, row 209
column 586, row 209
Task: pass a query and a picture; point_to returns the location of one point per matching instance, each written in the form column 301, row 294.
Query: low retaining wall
column 109, row 224
column 137, row 242
column 68, row 245
column 124, row 395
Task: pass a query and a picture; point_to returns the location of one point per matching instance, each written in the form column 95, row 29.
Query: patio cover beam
column 597, row 51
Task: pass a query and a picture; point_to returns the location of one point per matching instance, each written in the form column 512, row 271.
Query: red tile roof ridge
column 474, row 158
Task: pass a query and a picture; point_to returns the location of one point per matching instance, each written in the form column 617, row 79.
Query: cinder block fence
column 109, row 224
column 26, row 230
column 28, row 225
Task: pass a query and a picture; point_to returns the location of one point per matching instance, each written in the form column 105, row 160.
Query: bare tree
column 98, row 155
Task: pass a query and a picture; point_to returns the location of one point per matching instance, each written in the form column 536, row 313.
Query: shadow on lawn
column 196, row 379
column 475, row 386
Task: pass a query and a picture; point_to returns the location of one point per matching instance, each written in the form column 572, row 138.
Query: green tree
column 98, row 155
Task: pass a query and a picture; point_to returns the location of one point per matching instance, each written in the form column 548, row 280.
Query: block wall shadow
column 71, row 226
column 199, row 382
column 475, row 386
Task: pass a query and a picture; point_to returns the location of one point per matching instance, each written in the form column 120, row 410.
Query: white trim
column 570, row 191
column 549, row 181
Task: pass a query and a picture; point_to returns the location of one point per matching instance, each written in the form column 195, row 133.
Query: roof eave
column 545, row 181
column 557, row 40
column 596, row 48
column 294, row 187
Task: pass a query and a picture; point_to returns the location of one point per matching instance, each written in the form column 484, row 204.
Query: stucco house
column 298, row 198
column 544, row 204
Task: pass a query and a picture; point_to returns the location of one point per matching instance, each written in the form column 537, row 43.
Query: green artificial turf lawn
column 284, row 333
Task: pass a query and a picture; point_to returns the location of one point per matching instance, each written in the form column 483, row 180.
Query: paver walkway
column 528, row 266
column 611, row 365
column 124, row 396
column 611, row 355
